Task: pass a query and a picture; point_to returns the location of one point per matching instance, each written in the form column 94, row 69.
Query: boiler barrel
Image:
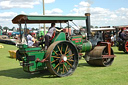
column 86, row 46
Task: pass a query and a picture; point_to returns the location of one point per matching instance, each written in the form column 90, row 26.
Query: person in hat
column 30, row 41
column 125, row 34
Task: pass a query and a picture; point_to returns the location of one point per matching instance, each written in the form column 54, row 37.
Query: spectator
column 112, row 40
column 30, row 41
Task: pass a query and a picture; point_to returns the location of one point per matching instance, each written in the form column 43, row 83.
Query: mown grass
column 116, row 74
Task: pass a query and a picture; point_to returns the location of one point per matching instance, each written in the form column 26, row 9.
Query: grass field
column 11, row 73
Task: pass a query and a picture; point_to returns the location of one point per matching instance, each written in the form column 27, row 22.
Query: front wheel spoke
column 70, row 60
column 59, row 49
column 63, row 67
column 67, row 52
column 55, row 52
column 66, row 49
column 69, row 63
column 66, row 68
column 55, row 57
column 58, row 69
column 70, row 55
column 57, row 65
column 54, row 61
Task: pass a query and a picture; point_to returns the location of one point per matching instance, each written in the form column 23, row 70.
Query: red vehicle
column 122, row 38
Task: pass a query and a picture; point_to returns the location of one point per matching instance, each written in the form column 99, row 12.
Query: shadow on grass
column 10, row 57
column 87, row 65
column 83, row 64
column 20, row 74
column 119, row 53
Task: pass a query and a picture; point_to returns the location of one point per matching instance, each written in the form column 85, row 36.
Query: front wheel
column 62, row 58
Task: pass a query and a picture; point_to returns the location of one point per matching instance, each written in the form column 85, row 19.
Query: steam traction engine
column 61, row 57
column 122, row 38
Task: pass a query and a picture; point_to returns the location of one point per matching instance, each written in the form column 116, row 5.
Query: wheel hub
column 63, row 58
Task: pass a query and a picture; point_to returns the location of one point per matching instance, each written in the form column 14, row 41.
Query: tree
column 37, row 29
column 96, row 26
column 91, row 26
column 33, row 29
column 5, row 28
column 13, row 28
column 1, row 27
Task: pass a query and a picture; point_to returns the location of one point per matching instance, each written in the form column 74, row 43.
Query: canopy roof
column 102, row 29
column 45, row 19
column 122, row 26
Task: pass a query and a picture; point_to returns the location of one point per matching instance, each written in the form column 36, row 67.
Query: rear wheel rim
column 107, row 61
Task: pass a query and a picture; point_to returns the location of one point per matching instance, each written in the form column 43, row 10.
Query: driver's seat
column 52, row 36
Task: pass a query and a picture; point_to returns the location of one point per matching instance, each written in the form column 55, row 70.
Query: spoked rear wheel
column 62, row 58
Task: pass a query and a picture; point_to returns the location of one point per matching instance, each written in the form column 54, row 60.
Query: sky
column 103, row 12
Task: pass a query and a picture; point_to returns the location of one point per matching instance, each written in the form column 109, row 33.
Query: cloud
column 83, row 4
column 55, row 11
column 8, row 4
column 101, row 16
column 113, row 16
column 34, row 13
column 6, row 17
column 7, row 14
column 49, row 1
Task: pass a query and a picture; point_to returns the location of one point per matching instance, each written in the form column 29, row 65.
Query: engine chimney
column 88, row 25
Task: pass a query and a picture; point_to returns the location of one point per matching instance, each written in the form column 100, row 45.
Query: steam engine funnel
column 88, row 25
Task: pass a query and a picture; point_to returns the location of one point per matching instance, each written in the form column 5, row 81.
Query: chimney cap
column 87, row 14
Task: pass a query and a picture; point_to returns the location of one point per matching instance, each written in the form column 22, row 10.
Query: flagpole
column 44, row 14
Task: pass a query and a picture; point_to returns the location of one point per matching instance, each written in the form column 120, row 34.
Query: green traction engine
column 62, row 56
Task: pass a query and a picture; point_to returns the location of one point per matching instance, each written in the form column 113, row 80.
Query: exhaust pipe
column 88, row 25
